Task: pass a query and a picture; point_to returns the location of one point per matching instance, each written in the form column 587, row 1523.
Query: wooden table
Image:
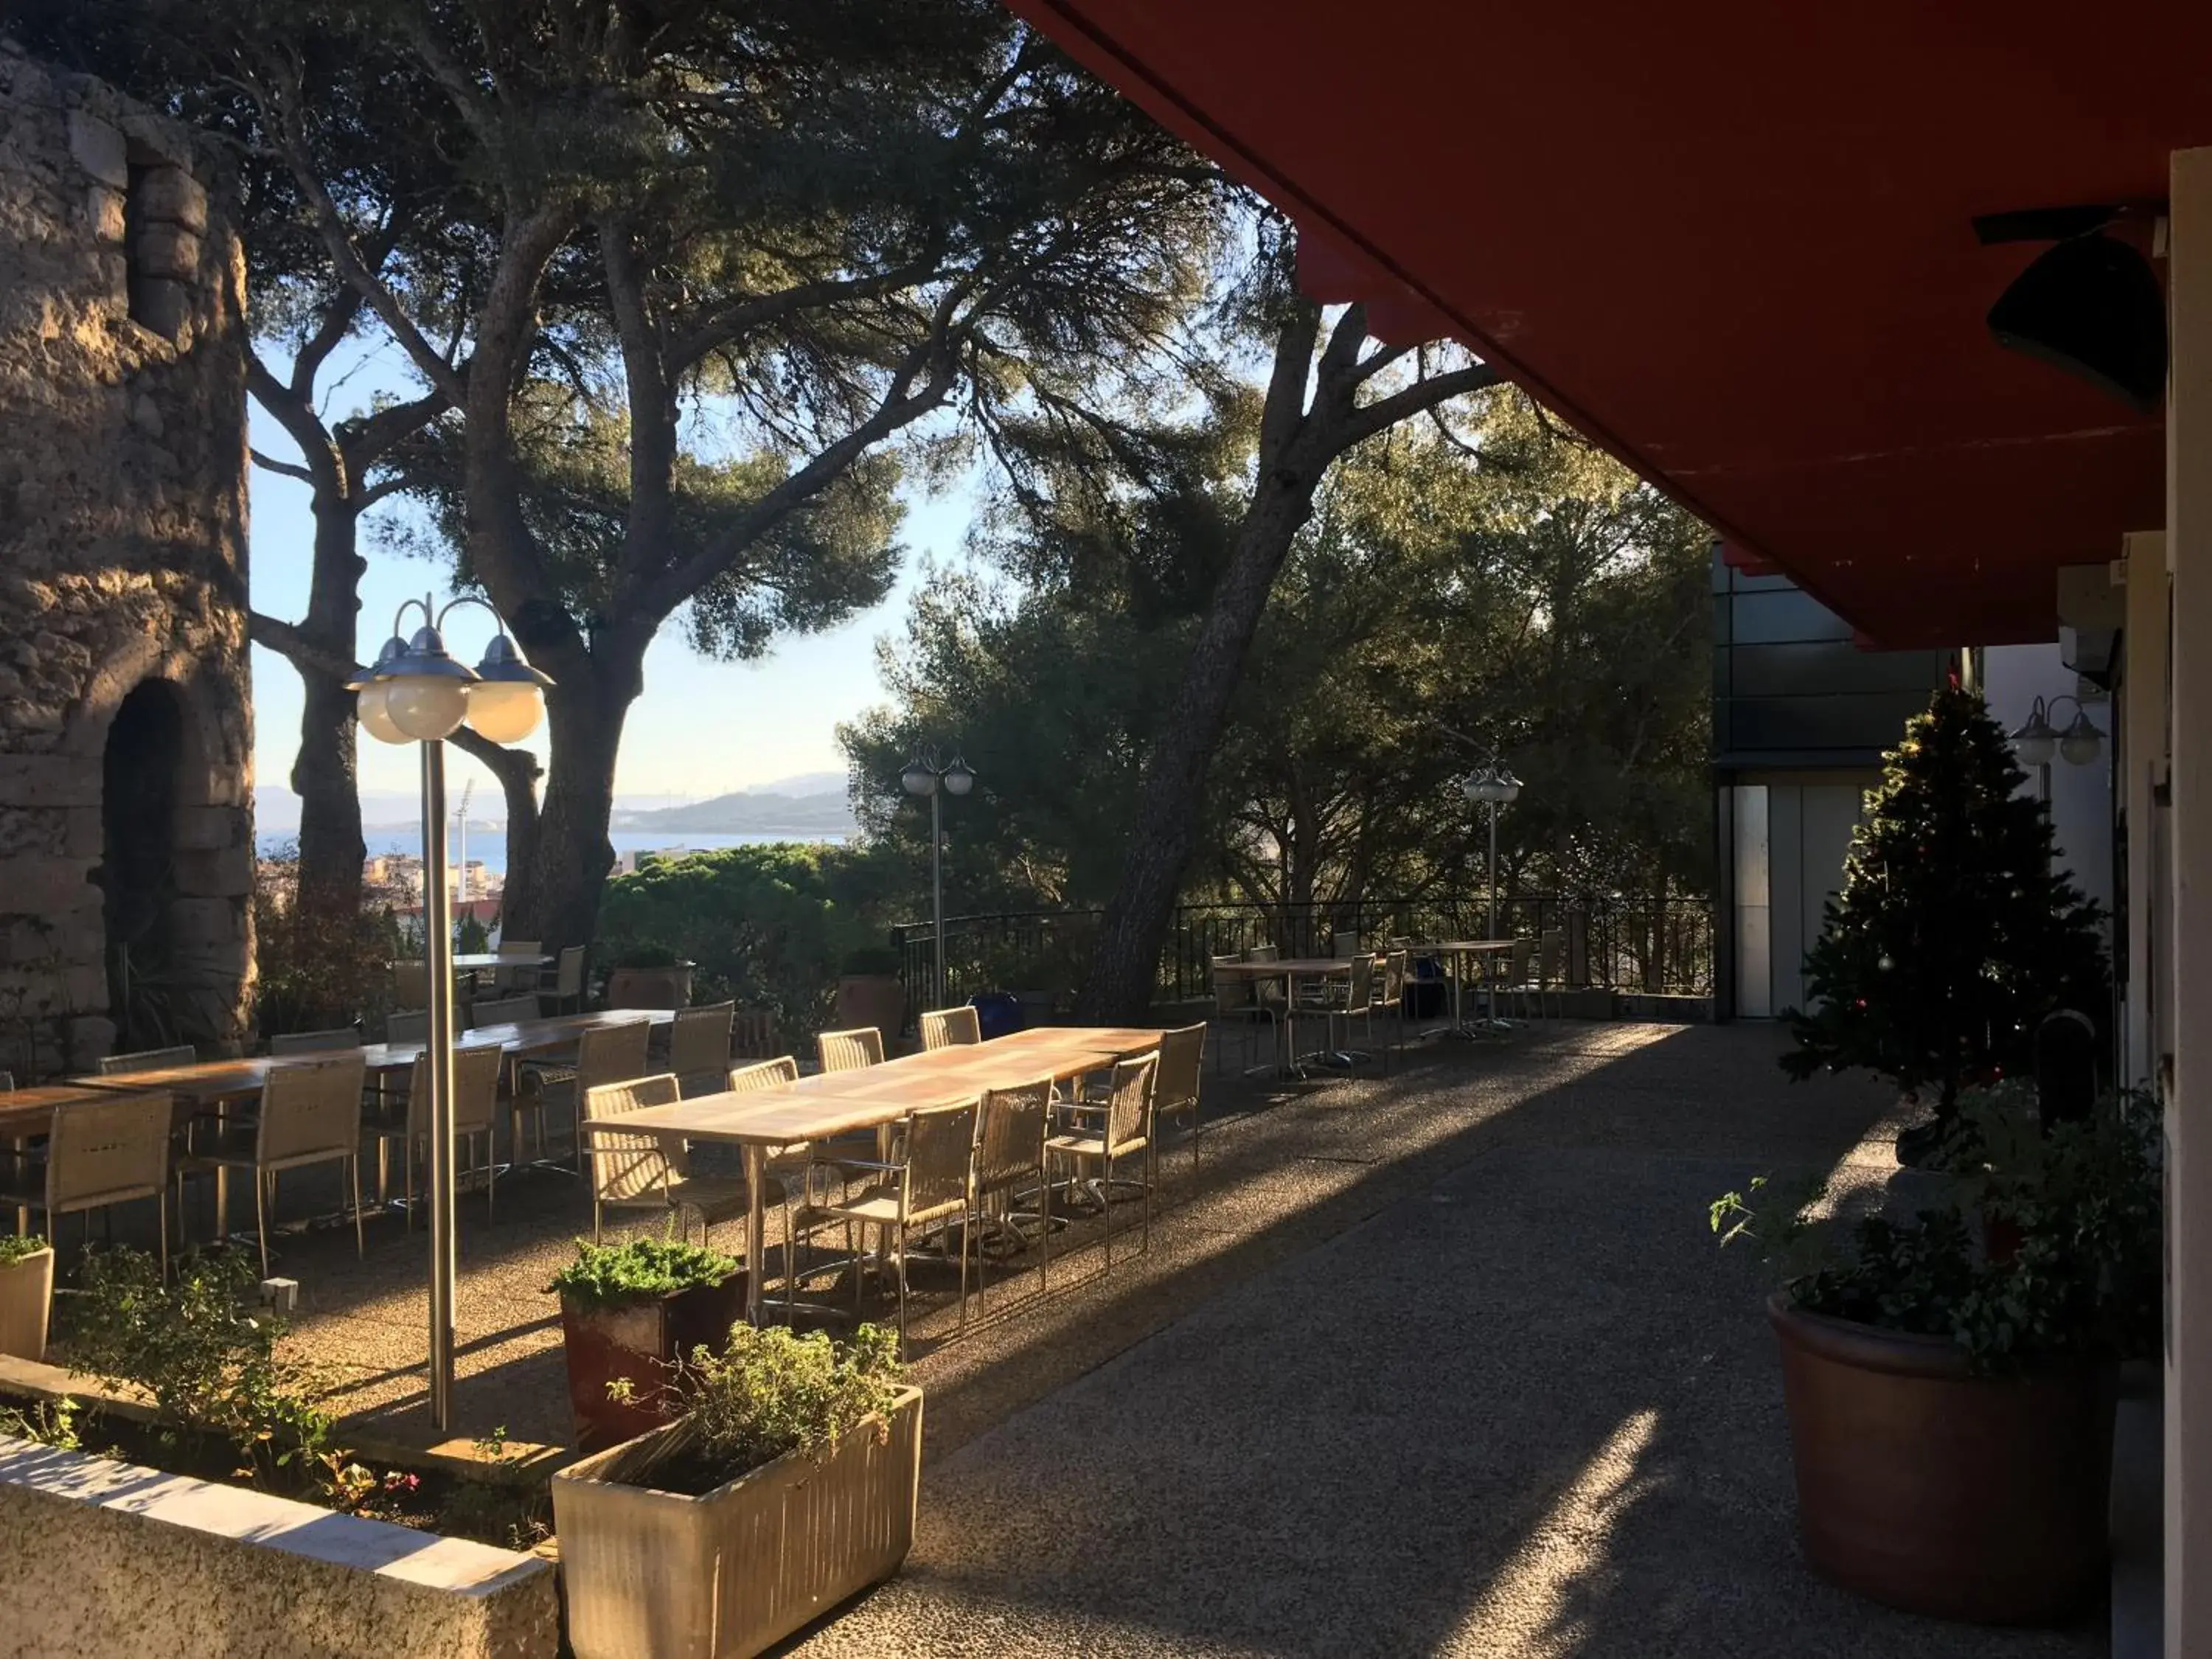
column 1290, row 970
column 474, row 960
column 833, row 1103
column 1459, row 950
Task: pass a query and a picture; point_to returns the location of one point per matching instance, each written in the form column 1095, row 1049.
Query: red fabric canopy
column 1730, row 241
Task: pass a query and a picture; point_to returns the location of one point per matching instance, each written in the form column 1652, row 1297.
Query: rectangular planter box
column 27, row 1292
column 637, row 1343
column 109, row 1557
column 658, row 1575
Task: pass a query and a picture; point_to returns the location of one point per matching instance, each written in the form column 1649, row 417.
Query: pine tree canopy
column 1953, row 936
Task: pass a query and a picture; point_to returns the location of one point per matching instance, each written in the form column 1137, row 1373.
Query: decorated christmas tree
column 1953, row 936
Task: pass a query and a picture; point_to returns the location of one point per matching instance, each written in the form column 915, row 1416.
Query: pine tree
column 1953, row 936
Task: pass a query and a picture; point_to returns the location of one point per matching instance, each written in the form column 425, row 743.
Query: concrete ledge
column 111, row 1558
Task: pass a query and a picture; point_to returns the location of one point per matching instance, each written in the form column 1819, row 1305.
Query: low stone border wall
column 110, row 1558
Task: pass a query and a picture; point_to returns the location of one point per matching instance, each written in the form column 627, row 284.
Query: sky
column 761, row 722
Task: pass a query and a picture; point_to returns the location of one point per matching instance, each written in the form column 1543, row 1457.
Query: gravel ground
column 1439, row 1362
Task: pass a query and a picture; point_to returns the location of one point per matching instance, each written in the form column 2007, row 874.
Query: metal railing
column 1608, row 942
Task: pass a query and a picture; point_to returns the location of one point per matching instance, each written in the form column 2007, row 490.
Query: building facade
column 126, row 861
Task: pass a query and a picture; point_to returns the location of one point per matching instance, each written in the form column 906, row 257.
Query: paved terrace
column 1442, row 1362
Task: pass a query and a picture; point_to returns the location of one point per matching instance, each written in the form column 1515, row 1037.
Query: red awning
column 1731, row 242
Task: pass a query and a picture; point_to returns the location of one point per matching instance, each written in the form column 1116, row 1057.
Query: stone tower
column 126, row 848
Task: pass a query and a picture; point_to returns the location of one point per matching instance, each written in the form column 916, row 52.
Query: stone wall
column 122, row 554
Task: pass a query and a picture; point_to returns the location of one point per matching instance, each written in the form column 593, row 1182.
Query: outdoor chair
column 1551, row 970
column 510, row 1010
column 1183, row 1066
column 564, row 982
column 1343, row 946
column 335, row 1040
column 850, row 1051
column 1507, row 971
column 406, row 1119
column 1354, row 1000
column 930, row 1179
column 752, row 1034
column 1010, row 1135
column 1389, row 998
column 605, row 1054
column 1122, row 1129
column 99, row 1153
column 1237, row 1001
column 6, row 1083
column 699, row 1047
column 1268, row 992
column 310, row 1113
column 410, row 984
column 947, row 1028
column 523, row 975
column 407, row 1026
column 147, row 1059
column 638, row 1172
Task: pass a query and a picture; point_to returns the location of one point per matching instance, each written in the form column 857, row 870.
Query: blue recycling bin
column 998, row 1012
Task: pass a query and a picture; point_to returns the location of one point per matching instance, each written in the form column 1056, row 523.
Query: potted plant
column 791, row 1486
column 27, row 1293
column 629, row 1313
column 1950, row 1379
column 1954, row 935
column 869, row 993
column 649, row 976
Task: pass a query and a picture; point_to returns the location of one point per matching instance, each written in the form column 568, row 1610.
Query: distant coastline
column 488, row 841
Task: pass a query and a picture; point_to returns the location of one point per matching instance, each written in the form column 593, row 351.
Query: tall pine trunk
column 324, row 774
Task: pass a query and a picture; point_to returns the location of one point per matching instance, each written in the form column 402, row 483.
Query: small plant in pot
column 629, row 1313
column 1950, row 1379
column 649, row 976
column 26, row 1294
column 790, row 1485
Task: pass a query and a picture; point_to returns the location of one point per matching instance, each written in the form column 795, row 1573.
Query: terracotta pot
column 639, row 1341
column 1927, row 1488
column 27, row 1293
column 659, row 1575
column 650, row 987
column 877, row 1000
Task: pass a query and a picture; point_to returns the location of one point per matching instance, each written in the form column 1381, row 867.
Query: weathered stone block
column 175, row 197
column 98, row 149
column 168, row 251
column 205, row 828
column 103, row 213
column 221, row 871
column 32, row 885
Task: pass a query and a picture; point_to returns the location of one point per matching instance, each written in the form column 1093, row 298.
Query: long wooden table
column 833, row 1103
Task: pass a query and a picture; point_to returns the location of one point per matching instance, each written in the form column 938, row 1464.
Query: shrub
column 638, row 1270
column 14, row 1248
column 317, row 965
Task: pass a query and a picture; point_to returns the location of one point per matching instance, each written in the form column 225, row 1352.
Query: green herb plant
column 638, row 1270
column 18, row 1248
column 48, row 1422
column 2048, row 1250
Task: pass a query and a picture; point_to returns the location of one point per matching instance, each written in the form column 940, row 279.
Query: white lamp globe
column 918, row 779
column 375, row 718
column 958, row 779
column 1509, row 789
column 425, row 707
column 2082, row 742
column 505, row 711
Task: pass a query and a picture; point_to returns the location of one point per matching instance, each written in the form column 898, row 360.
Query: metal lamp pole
column 1493, row 785
column 417, row 692
column 924, row 777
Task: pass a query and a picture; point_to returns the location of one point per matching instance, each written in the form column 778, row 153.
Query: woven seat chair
column 699, row 1047
column 309, row 1113
column 1550, row 971
column 147, row 1059
column 523, row 974
column 752, row 1034
column 1237, row 1001
column 405, row 1119
column 1506, row 972
column 640, row 1172
column 1389, row 998
column 1182, row 1066
column 946, row 1028
column 407, row 1026
column 1354, row 1000
column 410, row 983
column 99, row 1153
column 929, row 1180
column 850, row 1051
column 1011, row 1127
column 564, row 982
column 508, row 1010
column 335, row 1040
column 1123, row 1129
column 605, row 1054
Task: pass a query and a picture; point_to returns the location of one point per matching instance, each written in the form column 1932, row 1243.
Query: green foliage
column 876, row 960
column 772, row 1391
column 316, row 966
column 2050, row 1248
column 193, row 1342
column 15, row 1247
column 48, row 1422
column 769, row 926
column 638, row 1270
column 471, row 937
column 1953, row 936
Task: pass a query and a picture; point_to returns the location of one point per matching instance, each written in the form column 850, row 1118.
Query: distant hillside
column 750, row 814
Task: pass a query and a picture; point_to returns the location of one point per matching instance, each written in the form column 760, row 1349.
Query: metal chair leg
column 261, row 1212
column 360, row 1244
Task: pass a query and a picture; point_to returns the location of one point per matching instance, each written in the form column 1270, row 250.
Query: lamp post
column 1492, row 784
column 2037, row 739
column 924, row 777
column 417, row 692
